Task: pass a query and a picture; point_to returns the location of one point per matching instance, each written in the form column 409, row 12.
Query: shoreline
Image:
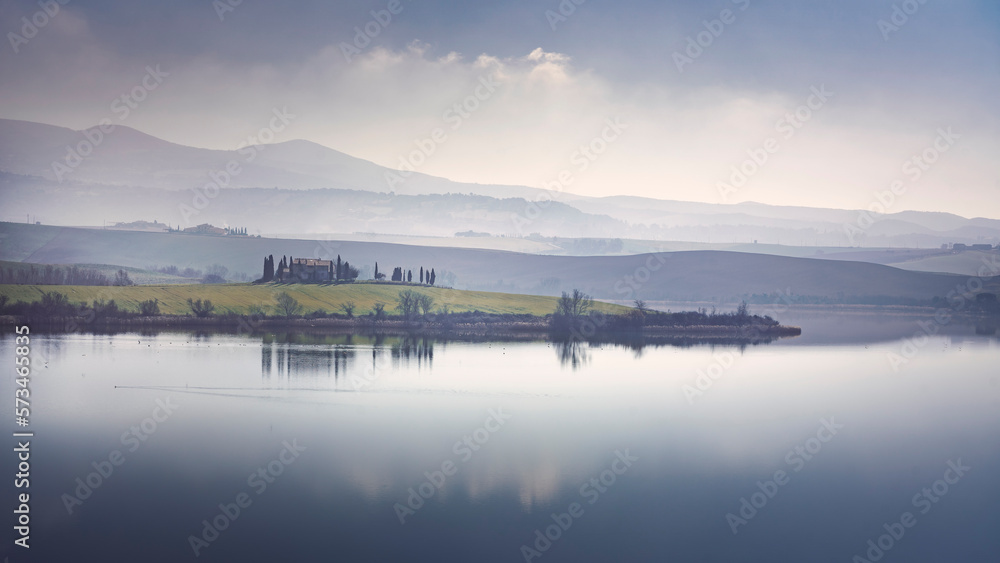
column 240, row 323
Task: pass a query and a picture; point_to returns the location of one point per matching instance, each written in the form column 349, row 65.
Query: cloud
column 544, row 105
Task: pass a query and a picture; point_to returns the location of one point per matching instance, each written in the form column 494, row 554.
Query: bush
column 149, row 308
column 55, row 304
column 105, row 310
column 348, row 309
column 199, row 308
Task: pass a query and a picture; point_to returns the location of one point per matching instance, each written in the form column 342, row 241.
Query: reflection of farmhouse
column 307, row 270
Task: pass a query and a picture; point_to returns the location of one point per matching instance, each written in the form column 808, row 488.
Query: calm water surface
column 351, row 449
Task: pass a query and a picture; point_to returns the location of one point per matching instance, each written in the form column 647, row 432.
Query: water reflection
column 289, row 354
column 285, row 360
column 303, row 354
column 574, row 353
column 367, row 451
column 418, row 349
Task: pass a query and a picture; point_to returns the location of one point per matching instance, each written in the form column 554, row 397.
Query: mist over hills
column 302, row 187
column 680, row 276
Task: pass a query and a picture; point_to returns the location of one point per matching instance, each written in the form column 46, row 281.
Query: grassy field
column 237, row 298
column 137, row 275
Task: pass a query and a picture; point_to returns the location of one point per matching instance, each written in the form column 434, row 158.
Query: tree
column 421, row 274
column 339, row 272
column 121, row 278
column 149, row 308
column 641, row 305
column 743, row 311
column 433, row 276
column 379, row 310
column 348, row 309
column 200, row 308
column 218, row 270
column 425, row 303
column 288, row 305
column 409, row 275
column 397, row 274
column 376, row 271
column 571, row 311
column 55, row 304
column 349, row 273
column 406, row 303
column 574, row 306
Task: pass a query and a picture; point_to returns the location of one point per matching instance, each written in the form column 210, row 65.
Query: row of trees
column 238, row 231
column 55, row 275
column 55, row 304
column 342, row 271
column 398, row 274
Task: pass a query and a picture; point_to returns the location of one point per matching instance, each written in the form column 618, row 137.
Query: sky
column 846, row 104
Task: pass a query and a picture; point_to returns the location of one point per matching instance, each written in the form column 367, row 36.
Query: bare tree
column 121, row 278
column 288, row 305
column 199, row 308
column 576, row 305
column 348, row 309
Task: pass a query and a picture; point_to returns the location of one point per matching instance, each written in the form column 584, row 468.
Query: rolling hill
column 690, row 275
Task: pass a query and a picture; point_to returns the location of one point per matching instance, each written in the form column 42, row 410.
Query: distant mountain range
column 301, row 187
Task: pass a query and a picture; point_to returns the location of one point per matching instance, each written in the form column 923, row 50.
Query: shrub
column 348, row 309
column 199, row 308
column 149, row 308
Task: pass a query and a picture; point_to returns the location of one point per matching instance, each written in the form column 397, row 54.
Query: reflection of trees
column 572, row 353
column 410, row 348
column 296, row 360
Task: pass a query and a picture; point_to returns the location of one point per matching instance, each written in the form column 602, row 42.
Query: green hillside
column 237, row 298
column 137, row 275
column 715, row 276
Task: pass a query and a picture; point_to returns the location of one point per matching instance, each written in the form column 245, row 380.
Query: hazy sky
column 548, row 83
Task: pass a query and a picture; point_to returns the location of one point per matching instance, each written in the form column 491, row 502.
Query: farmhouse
column 307, row 270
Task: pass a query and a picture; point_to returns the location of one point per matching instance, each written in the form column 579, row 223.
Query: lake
column 853, row 442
